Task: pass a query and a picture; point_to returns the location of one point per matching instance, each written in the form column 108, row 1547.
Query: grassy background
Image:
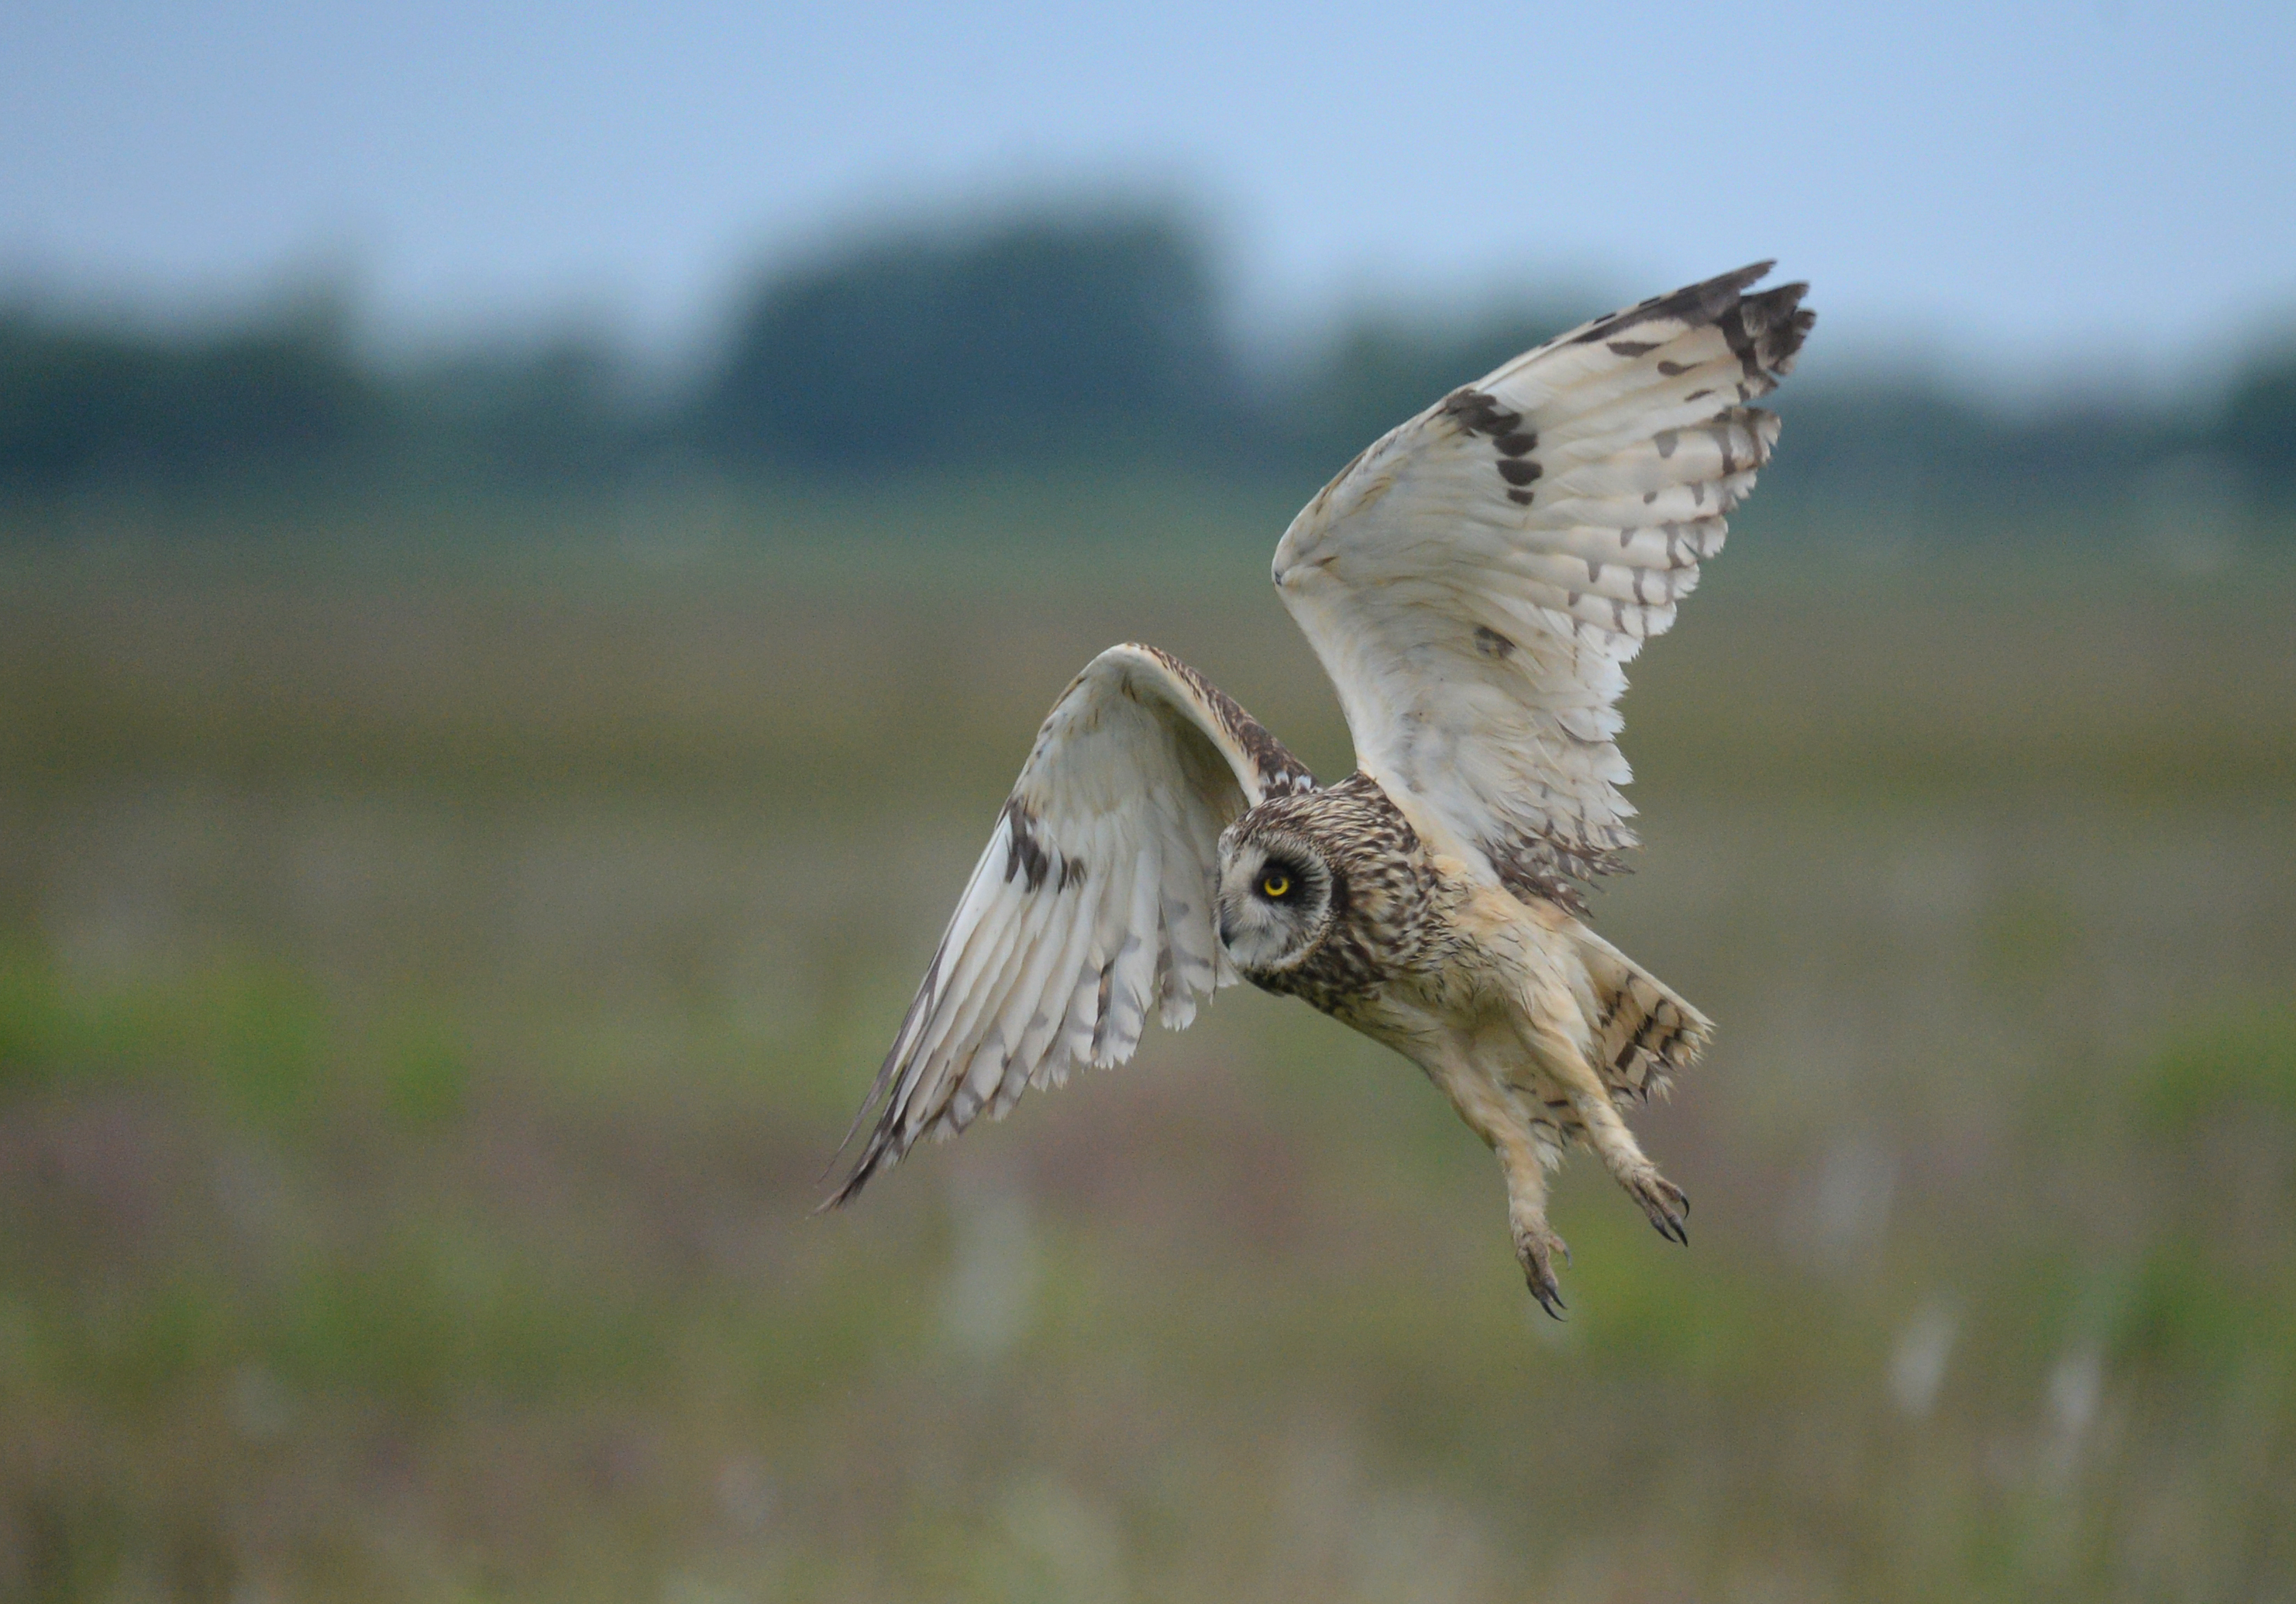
column 435, row 963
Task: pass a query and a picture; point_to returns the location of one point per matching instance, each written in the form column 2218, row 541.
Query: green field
column 435, row 971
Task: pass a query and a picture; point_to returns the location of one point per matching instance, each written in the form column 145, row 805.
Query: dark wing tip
column 872, row 1160
column 1708, row 301
column 1774, row 325
column 1734, row 282
column 881, row 1149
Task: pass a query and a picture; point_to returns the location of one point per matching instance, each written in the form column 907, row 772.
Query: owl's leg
column 1492, row 1114
column 1535, row 1242
column 1561, row 1058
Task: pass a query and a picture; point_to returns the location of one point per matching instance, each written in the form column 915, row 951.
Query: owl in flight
column 1473, row 583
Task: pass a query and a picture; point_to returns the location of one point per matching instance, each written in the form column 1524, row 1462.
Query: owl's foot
column 1662, row 1201
column 1536, row 1246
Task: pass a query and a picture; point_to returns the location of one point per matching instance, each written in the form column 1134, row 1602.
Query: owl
column 1474, row 584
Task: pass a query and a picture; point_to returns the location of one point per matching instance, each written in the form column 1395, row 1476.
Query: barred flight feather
column 1090, row 903
column 1562, row 503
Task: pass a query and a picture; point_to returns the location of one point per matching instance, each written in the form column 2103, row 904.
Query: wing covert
column 1092, row 900
column 1476, row 581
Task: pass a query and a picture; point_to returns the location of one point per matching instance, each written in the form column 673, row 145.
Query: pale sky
column 2018, row 193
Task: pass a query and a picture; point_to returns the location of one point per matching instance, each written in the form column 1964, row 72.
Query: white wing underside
column 1476, row 581
column 1092, row 903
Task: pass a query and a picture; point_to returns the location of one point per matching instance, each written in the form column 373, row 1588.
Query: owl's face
column 1275, row 899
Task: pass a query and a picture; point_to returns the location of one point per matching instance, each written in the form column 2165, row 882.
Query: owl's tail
column 1643, row 1031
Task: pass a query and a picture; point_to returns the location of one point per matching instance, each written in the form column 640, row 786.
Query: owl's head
column 1277, row 890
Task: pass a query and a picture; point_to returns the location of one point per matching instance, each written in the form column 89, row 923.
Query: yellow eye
column 1275, row 885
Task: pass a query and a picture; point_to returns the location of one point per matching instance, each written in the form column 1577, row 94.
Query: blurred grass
column 433, row 971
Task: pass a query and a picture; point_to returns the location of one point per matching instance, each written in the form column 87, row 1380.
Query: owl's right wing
column 1093, row 898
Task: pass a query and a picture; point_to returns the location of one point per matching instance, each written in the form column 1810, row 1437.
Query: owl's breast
column 1344, row 977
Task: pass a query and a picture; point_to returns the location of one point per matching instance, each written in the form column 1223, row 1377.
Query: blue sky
column 2099, row 191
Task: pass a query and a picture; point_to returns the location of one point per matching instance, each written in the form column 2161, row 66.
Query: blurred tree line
column 1088, row 340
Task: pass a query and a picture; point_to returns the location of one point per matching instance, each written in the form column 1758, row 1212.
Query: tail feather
column 1643, row 1034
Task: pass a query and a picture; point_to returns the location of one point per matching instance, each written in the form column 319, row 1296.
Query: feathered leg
column 1559, row 1057
column 1492, row 1114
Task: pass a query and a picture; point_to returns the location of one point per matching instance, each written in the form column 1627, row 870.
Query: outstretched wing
column 1475, row 582
column 1093, row 900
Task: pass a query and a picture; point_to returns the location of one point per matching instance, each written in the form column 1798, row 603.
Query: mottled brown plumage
column 1384, row 893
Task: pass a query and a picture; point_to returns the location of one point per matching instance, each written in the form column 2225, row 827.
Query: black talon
column 1665, row 1204
column 1539, row 1278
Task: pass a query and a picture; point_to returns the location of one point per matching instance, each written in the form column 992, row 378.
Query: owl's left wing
column 1093, row 900
column 1475, row 582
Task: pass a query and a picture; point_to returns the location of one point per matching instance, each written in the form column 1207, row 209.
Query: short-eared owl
column 1474, row 584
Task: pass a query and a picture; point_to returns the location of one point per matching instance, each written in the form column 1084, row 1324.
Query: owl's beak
column 1226, row 929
